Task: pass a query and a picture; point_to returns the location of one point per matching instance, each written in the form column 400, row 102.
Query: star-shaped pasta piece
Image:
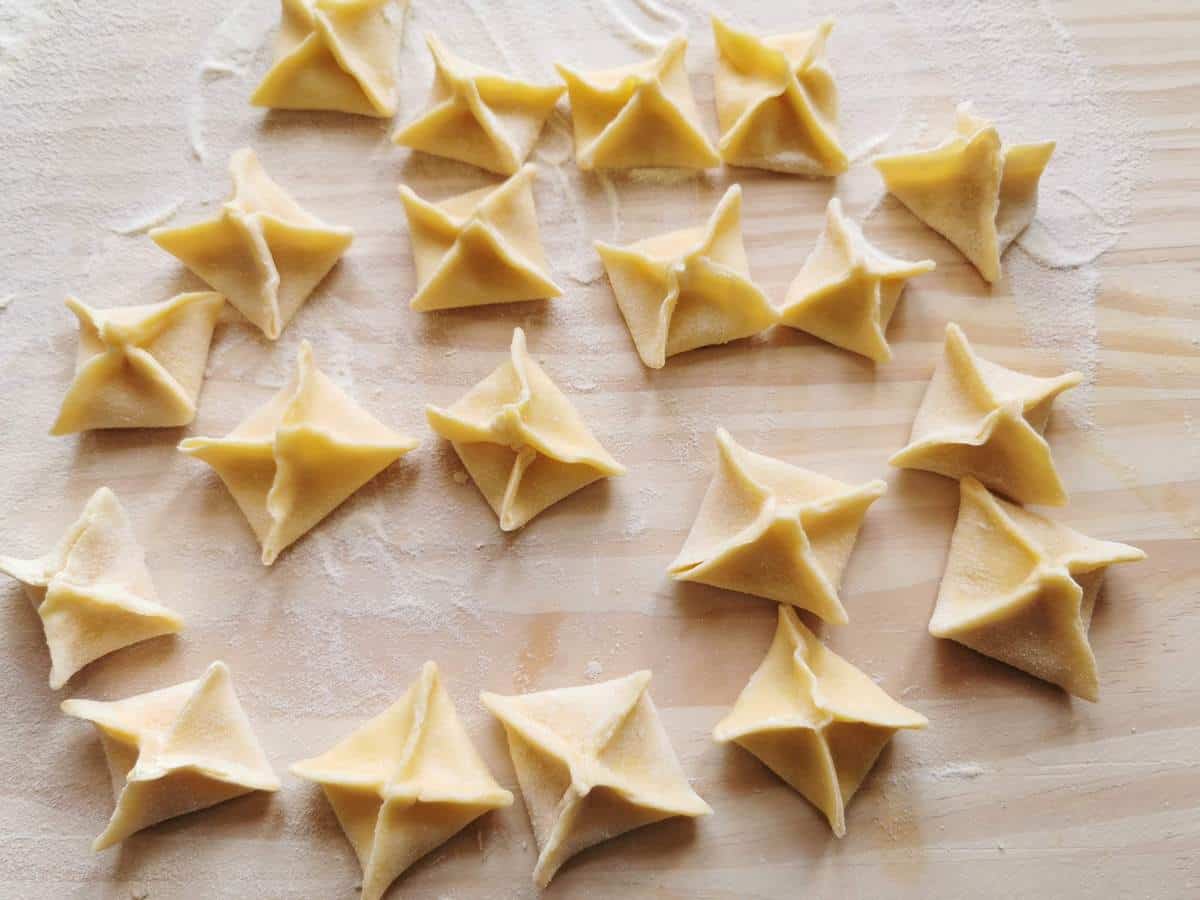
column 339, row 55
column 405, row 782
column 175, row 751
column 1020, row 588
column 479, row 116
column 690, row 288
column 262, row 251
column 593, row 762
column 521, row 440
column 848, row 289
column 976, row 192
column 981, row 419
column 641, row 115
column 777, row 101
column 139, row 366
column 299, row 456
column 815, row 720
column 93, row 592
column 775, row 530
column 480, row 247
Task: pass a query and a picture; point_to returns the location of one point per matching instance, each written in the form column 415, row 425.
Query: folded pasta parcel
column 479, row 116
column 815, row 720
column 139, row 366
column 775, row 530
column 689, row 288
column 593, row 762
column 263, row 251
column 777, row 101
column 175, row 750
column 298, row 457
column 1021, row 588
column 975, row 191
column 405, row 782
column 340, row 55
column 480, row 247
column 521, row 440
column 93, row 591
column 640, row 115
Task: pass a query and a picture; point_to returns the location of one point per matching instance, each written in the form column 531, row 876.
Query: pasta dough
column 299, row 456
column 638, row 115
column 815, row 720
column 93, row 592
column 175, row 751
column 775, row 530
column 1020, row 588
column 139, row 366
column 262, row 251
column 981, row 419
column 521, row 440
column 973, row 190
column 593, row 762
column 777, row 101
column 337, row 55
column 689, row 288
column 479, row 116
column 405, row 782
column 847, row 290
column 480, row 247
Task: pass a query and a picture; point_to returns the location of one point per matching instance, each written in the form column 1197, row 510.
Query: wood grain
column 1014, row 790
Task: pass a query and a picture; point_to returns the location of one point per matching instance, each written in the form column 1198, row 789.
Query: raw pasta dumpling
column 641, row 115
column 775, row 530
column 299, row 456
column 405, row 782
column 979, row 418
column 689, row 288
column 815, row 720
column 139, row 366
column 262, row 250
column 593, row 762
column 521, row 440
column 93, row 591
column 479, row 116
column 975, row 191
column 777, row 101
column 175, row 751
column 339, row 55
column 1021, row 588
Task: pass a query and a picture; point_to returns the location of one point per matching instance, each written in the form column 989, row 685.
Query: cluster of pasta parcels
column 592, row 761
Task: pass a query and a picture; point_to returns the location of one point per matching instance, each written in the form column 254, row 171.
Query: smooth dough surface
column 521, row 440
column 973, row 190
column 775, row 530
column 262, row 250
column 641, row 115
column 404, row 782
column 175, row 751
column 815, row 720
column 689, row 288
column 1020, row 588
column 479, row 248
column 299, row 456
column 981, row 419
column 339, row 55
column 848, row 289
column 93, row 591
column 777, row 101
column 139, row 366
column 593, row 762
column 478, row 115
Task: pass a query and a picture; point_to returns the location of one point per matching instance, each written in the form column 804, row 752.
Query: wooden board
column 1014, row 789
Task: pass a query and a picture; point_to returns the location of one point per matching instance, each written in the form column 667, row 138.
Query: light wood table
column 1014, row 790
